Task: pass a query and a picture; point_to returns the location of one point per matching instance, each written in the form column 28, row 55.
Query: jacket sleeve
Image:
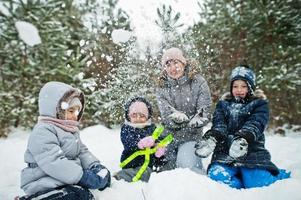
column 254, row 126
column 219, row 121
column 45, row 148
column 166, row 109
column 86, row 157
column 129, row 139
column 204, row 101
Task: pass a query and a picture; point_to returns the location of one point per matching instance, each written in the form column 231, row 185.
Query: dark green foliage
column 25, row 69
column 106, row 59
column 267, row 34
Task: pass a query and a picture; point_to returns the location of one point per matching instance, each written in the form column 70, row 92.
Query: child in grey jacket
column 56, row 158
column 184, row 101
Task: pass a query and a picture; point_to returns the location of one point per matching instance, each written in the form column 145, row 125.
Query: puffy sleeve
column 254, row 126
column 129, row 139
column 165, row 108
column 219, row 121
column 204, row 101
column 86, row 157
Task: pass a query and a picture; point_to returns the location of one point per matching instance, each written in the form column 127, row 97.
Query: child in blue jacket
column 240, row 158
column 136, row 134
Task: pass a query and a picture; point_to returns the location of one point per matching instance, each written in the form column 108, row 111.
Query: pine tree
column 105, row 60
column 25, row 69
column 168, row 22
column 264, row 33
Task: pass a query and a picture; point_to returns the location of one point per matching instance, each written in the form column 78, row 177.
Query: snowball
column 76, row 112
column 121, row 36
column 64, row 105
column 102, row 173
column 28, row 33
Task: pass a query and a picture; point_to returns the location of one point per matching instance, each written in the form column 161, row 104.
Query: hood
column 53, row 94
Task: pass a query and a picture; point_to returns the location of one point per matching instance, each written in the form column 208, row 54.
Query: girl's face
column 137, row 118
column 72, row 113
column 175, row 69
column 239, row 89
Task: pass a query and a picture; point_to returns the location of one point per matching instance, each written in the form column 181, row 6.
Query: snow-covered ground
column 177, row 184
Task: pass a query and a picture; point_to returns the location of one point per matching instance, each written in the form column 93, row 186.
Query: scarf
column 138, row 125
column 67, row 125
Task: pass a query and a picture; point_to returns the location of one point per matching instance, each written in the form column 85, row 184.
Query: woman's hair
column 191, row 69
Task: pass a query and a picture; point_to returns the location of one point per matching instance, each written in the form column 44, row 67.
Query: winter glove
column 205, row 147
column 197, row 122
column 160, row 152
column 105, row 175
column 247, row 135
column 94, row 181
column 178, row 117
column 146, row 142
column 96, row 167
column 218, row 136
column 238, row 148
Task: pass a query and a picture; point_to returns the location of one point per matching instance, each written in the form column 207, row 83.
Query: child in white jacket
column 56, row 158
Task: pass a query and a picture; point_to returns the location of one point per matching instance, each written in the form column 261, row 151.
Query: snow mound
column 178, row 184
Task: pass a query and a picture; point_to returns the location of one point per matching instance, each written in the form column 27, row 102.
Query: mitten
column 197, row 122
column 218, row 136
column 96, row 167
column 178, row 117
column 93, row 181
column 238, row 148
column 160, row 152
column 205, row 147
column 106, row 178
column 146, row 142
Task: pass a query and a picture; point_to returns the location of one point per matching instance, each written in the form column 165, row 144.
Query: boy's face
column 175, row 69
column 72, row 113
column 137, row 118
column 239, row 89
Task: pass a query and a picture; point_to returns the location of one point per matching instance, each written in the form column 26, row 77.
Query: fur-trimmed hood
column 258, row 94
column 190, row 69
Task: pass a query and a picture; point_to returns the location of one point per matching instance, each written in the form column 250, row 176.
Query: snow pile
column 28, row 33
column 177, row 184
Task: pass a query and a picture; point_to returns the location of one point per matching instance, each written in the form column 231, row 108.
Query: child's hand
column 106, row 178
column 96, row 167
column 160, row 152
column 94, row 181
column 238, row 148
column 146, row 142
column 179, row 117
column 205, row 147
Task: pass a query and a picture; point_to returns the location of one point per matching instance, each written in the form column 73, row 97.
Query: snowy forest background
column 78, row 47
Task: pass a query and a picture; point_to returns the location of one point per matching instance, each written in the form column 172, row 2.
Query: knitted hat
column 137, row 99
column 243, row 72
column 173, row 54
column 138, row 107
